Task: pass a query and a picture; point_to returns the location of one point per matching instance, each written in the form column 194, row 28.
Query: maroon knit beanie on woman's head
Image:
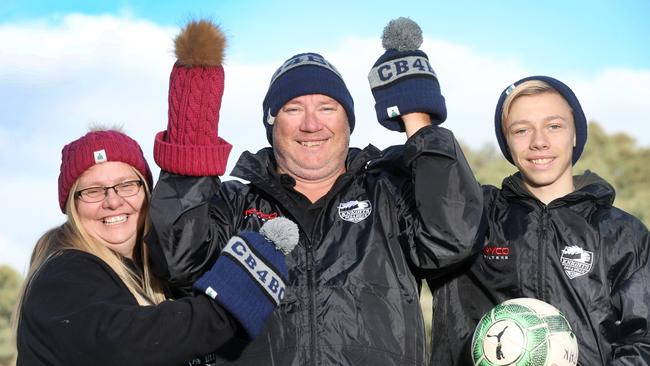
column 97, row 147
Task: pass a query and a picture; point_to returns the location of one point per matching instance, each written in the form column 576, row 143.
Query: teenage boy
column 552, row 236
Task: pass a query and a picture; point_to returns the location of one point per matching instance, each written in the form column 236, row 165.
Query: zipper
column 542, row 248
column 312, row 302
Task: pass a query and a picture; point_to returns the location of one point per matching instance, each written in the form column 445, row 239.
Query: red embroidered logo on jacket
column 496, row 252
column 263, row 216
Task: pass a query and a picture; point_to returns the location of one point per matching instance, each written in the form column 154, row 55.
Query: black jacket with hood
column 352, row 293
column 531, row 251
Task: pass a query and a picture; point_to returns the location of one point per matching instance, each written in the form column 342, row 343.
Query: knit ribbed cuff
column 191, row 160
column 414, row 95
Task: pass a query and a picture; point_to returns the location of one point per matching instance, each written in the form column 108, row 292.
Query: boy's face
column 540, row 133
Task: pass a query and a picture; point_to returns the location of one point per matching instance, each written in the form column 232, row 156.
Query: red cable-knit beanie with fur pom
column 191, row 145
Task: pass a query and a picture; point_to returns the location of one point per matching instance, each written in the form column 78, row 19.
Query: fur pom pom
column 200, row 43
column 402, row 34
column 282, row 232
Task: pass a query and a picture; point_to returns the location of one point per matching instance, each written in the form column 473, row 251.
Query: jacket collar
column 258, row 168
column 589, row 187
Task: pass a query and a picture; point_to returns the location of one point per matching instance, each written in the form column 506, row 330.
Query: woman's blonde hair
column 145, row 287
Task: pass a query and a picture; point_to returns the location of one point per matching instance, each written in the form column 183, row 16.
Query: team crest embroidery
column 355, row 211
column 576, row 261
column 100, row 156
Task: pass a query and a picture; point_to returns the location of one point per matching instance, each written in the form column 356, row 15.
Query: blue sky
column 67, row 64
column 578, row 35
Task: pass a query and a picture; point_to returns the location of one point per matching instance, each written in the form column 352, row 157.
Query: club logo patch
column 576, row 261
column 355, row 211
column 100, row 156
column 393, row 112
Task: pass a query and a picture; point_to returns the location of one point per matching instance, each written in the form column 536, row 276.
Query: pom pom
column 283, row 232
column 402, row 34
column 200, row 43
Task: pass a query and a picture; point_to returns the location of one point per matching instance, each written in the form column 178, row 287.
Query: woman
column 89, row 296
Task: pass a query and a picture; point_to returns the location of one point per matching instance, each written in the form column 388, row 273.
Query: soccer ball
column 524, row 331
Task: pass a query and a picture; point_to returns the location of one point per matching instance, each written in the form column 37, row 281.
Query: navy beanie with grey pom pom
column 402, row 80
column 248, row 278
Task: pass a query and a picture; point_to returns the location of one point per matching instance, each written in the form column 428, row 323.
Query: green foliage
column 488, row 164
column 618, row 160
column 10, row 282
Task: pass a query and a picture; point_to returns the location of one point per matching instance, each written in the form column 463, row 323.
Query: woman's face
column 113, row 220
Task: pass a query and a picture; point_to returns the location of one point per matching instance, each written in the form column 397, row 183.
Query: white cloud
column 618, row 100
column 58, row 78
column 29, row 208
column 79, row 44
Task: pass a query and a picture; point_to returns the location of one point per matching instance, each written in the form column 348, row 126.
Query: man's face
column 541, row 136
column 311, row 136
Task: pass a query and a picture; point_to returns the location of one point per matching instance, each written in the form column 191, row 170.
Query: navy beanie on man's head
column 402, row 80
column 303, row 74
column 579, row 118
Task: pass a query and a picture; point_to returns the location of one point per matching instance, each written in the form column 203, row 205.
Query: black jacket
column 352, row 297
column 78, row 312
column 605, row 295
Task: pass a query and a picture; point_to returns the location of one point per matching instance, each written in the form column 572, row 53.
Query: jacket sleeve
column 627, row 329
column 442, row 203
column 78, row 312
column 187, row 231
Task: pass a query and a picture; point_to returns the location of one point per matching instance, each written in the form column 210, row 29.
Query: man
column 368, row 220
column 552, row 236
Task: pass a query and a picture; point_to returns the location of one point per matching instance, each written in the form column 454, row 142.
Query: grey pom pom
column 282, row 232
column 402, row 34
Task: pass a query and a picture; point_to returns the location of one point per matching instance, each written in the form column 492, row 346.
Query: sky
column 65, row 65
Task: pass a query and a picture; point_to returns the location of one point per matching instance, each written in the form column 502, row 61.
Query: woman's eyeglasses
column 97, row 194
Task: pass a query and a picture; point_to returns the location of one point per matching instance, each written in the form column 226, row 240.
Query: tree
column 618, row 160
column 10, row 282
column 488, row 165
